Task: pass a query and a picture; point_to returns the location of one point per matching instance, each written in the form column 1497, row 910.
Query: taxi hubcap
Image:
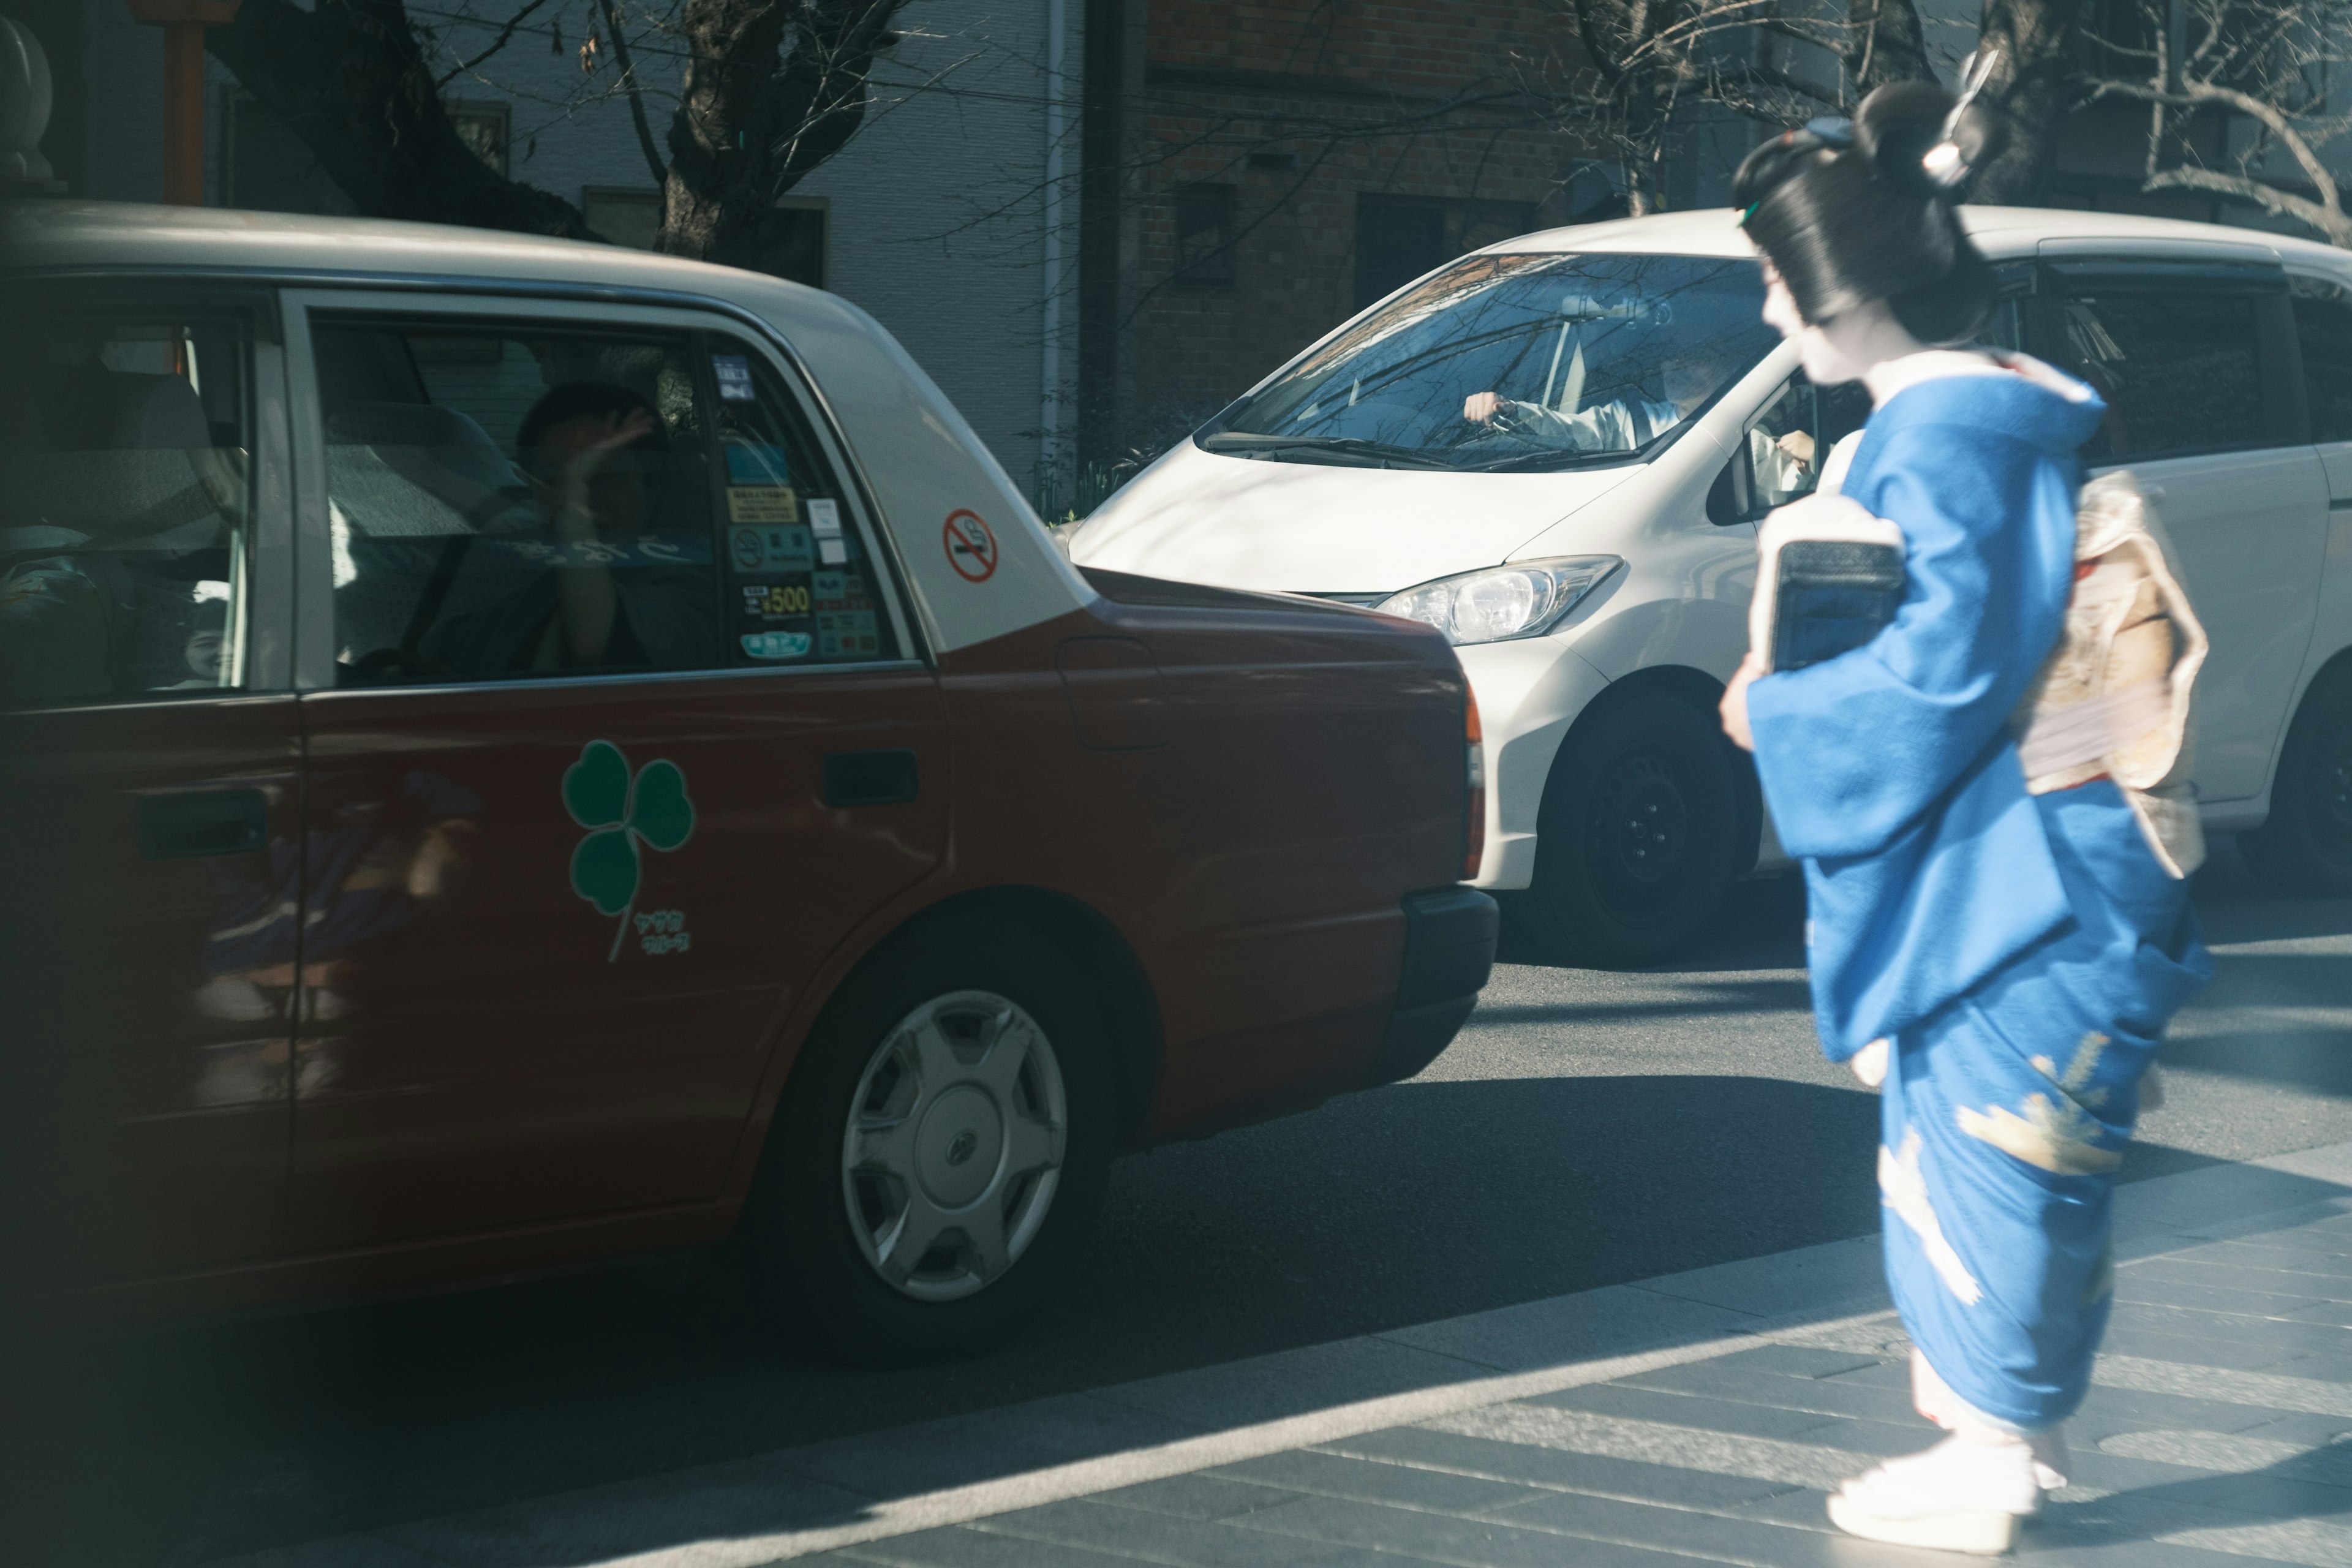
column 954, row 1145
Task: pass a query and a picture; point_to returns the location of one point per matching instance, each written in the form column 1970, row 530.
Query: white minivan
column 1557, row 450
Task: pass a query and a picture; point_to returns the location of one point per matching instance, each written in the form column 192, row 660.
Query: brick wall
column 1337, row 101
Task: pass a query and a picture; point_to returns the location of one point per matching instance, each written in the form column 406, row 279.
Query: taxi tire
column 802, row 1257
column 2305, row 846
column 1638, row 759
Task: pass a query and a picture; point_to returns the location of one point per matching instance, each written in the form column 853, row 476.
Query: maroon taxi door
column 486, row 1042
column 555, row 918
column 149, row 799
column 148, row 981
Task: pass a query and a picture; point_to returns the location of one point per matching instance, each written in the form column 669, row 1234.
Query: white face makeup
column 1825, row 362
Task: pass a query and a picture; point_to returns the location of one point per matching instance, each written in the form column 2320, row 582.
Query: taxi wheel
column 2306, row 845
column 1633, row 847
column 941, row 1150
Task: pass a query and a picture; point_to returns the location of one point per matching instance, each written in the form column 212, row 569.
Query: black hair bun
column 1897, row 126
column 1922, row 141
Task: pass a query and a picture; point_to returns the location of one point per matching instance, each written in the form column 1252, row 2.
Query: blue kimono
column 2021, row 953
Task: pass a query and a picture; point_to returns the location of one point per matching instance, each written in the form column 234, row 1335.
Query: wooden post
column 184, row 22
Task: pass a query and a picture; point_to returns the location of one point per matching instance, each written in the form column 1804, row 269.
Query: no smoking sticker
column 972, row 549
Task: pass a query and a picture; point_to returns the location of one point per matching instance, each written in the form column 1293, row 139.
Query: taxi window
column 509, row 501
column 125, row 434
column 518, row 501
column 801, row 585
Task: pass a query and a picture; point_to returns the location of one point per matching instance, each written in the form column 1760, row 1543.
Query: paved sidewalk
column 1697, row 1417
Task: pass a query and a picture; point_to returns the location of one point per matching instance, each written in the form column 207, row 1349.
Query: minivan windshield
column 1528, row 362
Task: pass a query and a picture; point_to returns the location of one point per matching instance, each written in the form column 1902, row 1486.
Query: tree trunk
column 719, row 140
column 1883, row 43
column 348, row 78
column 773, row 88
column 2031, row 83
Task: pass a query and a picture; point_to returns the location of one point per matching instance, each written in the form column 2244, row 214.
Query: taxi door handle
column 198, row 824
column 870, row 778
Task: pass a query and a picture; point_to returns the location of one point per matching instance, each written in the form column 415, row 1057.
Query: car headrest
column 453, row 439
column 149, row 412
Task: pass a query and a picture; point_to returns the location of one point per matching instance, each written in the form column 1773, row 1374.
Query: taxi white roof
column 94, row 233
column 925, row 462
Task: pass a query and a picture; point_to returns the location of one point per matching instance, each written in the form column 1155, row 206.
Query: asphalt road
column 1586, row 1129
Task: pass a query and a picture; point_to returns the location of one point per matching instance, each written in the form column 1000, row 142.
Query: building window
column 1398, row 239
column 791, row 243
column 624, row 216
column 1205, row 235
column 482, row 127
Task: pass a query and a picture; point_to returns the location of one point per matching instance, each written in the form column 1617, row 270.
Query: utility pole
column 184, row 22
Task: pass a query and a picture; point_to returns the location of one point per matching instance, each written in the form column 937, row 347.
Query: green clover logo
column 620, row 810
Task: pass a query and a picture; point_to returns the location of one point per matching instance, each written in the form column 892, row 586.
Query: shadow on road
column 1414, row 1203
column 1418, row 1202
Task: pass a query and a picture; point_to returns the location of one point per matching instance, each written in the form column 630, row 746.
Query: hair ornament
column 1946, row 163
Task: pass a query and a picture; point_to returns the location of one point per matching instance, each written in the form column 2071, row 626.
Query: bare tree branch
column 2245, row 65
column 2327, row 219
column 636, row 95
column 2273, row 119
column 505, row 35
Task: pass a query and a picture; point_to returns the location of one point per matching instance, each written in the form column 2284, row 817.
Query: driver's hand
column 1799, row 446
column 1480, row 407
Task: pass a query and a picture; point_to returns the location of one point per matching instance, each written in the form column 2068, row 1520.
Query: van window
column 1502, row 363
column 125, row 434
column 2323, row 320
column 2179, row 366
column 1788, row 446
column 514, row 501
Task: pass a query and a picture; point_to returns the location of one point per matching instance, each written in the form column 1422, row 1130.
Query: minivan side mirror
column 1732, row 498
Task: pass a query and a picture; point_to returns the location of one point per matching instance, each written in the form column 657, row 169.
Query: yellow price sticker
column 763, row 504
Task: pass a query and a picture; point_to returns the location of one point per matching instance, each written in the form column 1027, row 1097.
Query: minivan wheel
column 1633, row 847
column 2306, row 845
column 941, row 1150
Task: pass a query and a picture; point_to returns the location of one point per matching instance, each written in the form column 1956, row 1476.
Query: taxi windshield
column 1527, row 362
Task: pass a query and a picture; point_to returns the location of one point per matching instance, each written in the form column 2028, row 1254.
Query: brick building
column 1258, row 170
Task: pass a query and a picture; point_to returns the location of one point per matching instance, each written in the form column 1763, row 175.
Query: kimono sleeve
column 1854, row 750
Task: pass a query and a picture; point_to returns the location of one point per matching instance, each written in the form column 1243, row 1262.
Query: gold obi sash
column 2114, row 697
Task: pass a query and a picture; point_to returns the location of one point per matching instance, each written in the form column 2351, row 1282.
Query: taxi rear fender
column 1115, row 976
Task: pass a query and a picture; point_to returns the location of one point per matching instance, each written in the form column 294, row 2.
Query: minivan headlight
column 1521, row 600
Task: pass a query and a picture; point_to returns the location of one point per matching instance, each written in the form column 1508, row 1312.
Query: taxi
column 514, row 752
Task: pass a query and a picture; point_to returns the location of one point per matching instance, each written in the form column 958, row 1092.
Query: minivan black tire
column 1634, row 842
column 803, row 1256
column 2305, row 846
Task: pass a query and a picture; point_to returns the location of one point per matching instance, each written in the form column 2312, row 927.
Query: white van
column 1557, row 450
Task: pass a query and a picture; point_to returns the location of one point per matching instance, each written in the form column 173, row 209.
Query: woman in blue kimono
column 2008, row 960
